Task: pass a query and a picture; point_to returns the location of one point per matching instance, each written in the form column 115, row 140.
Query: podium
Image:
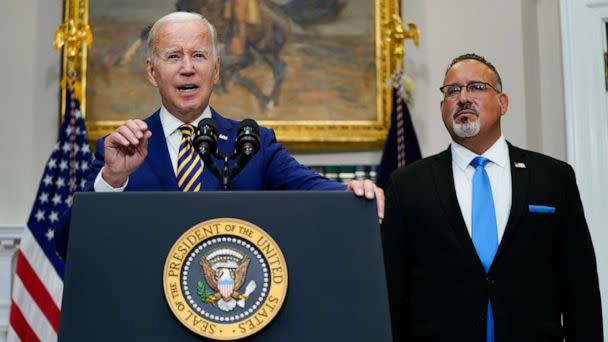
column 113, row 286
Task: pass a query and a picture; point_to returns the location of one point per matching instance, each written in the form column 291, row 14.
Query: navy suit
column 272, row 168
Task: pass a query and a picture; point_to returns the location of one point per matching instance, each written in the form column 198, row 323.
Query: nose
column 187, row 67
column 464, row 96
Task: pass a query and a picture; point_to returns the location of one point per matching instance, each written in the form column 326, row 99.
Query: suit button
column 490, row 281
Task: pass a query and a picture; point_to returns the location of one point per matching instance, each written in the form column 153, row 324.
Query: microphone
column 248, row 138
column 205, row 140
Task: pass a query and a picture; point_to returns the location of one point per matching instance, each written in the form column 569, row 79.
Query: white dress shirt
column 173, row 136
column 499, row 172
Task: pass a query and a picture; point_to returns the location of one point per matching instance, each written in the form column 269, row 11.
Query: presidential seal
column 225, row 279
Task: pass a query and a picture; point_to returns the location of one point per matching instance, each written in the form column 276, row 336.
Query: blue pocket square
column 543, row 209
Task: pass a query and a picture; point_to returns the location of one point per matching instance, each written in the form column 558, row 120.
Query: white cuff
column 101, row 185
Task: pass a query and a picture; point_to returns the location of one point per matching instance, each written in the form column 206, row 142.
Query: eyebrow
column 181, row 51
column 468, row 82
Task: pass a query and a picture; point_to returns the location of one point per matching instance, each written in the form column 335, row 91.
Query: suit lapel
column 519, row 185
column 444, row 182
column 158, row 155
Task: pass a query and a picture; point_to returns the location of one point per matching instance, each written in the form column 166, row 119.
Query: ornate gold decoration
column 296, row 135
column 398, row 34
column 75, row 37
column 72, row 36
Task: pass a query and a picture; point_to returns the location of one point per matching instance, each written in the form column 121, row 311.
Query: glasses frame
column 466, row 86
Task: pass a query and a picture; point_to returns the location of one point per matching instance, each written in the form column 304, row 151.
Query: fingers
column 130, row 133
column 379, row 202
column 356, row 186
column 371, row 191
column 144, row 141
column 124, row 151
column 365, row 188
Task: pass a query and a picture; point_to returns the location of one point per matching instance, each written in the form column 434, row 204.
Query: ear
column 151, row 72
column 216, row 71
column 503, row 100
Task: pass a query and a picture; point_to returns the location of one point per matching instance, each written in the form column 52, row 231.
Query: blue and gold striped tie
column 189, row 166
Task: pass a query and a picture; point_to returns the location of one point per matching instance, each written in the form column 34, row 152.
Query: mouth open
column 187, row 88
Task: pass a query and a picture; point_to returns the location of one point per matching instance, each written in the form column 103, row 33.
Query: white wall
column 29, row 93
column 29, row 96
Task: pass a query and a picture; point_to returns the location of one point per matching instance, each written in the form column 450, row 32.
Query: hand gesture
column 124, row 150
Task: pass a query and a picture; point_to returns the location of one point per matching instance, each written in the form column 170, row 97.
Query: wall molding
column 586, row 103
column 10, row 236
column 597, row 4
column 10, row 239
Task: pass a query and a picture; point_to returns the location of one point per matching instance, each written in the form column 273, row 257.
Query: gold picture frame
column 297, row 134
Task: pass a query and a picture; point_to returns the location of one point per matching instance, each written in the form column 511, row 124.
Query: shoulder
column 225, row 123
column 537, row 159
column 541, row 164
column 423, row 166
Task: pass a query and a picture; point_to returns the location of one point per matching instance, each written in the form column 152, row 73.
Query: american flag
column 401, row 146
column 38, row 282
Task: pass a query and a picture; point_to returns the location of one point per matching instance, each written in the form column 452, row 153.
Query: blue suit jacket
column 272, row 168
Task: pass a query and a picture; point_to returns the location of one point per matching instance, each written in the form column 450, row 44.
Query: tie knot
column 186, row 130
column 479, row 161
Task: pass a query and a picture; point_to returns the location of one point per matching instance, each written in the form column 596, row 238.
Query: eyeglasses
column 473, row 88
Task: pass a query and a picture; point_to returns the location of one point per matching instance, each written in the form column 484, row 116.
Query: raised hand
column 124, row 150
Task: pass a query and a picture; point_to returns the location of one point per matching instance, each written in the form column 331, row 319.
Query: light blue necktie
column 483, row 223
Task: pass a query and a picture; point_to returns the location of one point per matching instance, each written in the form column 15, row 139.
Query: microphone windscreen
column 207, row 122
column 250, row 123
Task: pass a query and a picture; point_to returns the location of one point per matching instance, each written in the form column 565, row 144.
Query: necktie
column 483, row 226
column 189, row 166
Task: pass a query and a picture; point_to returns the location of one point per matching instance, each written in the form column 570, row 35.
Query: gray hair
column 179, row 16
column 480, row 59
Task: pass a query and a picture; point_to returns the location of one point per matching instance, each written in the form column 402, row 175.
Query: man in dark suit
column 156, row 154
column 486, row 241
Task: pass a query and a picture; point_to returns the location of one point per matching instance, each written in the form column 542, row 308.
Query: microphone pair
column 247, row 142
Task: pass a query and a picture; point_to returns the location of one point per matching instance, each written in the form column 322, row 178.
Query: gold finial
column 399, row 34
column 72, row 35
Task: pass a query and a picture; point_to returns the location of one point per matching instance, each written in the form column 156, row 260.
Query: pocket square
column 543, row 209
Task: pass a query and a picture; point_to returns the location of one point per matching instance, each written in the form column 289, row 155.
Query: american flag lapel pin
column 520, row 165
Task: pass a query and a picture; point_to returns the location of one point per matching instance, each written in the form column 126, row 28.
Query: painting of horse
column 301, row 60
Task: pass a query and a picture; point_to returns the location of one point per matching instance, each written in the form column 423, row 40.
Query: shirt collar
column 497, row 154
column 170, row 123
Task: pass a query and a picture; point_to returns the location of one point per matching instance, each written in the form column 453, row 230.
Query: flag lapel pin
column 520, row 165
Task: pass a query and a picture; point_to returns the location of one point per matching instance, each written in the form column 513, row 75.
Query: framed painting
column 316, row 71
